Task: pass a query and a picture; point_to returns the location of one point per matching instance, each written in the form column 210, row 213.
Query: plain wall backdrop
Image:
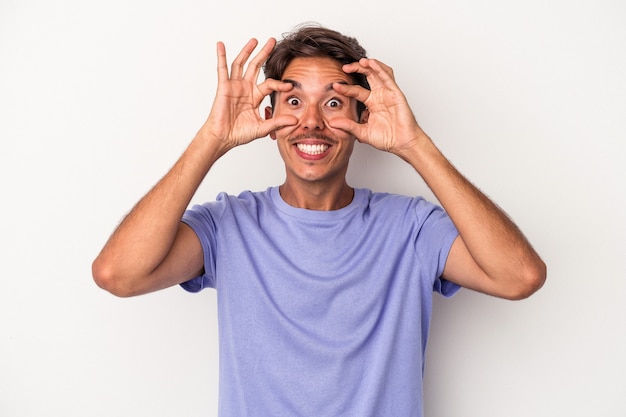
column 98, row 99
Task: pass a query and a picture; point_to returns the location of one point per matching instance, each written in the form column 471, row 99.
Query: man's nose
column 312, row 119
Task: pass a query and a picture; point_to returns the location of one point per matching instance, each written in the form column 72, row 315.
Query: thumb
column 275, row 123
column 357, row 130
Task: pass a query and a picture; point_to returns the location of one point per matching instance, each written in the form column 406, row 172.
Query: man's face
column 312, row 150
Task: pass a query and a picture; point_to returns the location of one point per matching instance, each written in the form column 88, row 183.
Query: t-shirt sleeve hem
column 201, row 282
column 442, row 285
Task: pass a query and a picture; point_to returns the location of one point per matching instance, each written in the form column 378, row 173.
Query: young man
column 324, row 291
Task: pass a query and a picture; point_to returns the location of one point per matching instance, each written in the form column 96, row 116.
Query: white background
column 98, row 99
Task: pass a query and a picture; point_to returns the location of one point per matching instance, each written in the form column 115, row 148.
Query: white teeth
column 312, row 149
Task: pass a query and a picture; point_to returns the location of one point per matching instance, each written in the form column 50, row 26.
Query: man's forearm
column 495, row 243
column 146, row 235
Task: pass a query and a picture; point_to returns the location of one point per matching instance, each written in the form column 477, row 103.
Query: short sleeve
column 435, row 238
column 203, row 220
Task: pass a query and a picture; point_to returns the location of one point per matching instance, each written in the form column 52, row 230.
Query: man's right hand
column 151, row 249
column 235, row 118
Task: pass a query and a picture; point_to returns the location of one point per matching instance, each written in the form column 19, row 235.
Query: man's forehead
column 305, row 70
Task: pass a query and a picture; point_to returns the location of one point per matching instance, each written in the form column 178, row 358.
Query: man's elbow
column 531, row 279
column 108, row 279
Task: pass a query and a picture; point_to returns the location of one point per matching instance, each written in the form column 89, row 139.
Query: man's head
column 314, row 41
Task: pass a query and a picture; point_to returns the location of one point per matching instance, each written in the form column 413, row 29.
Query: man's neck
column 317, row 196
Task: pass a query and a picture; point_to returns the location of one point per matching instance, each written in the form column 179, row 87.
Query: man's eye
column 293, row 101
column 334, row 103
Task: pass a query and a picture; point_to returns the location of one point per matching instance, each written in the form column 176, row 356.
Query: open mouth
column 312, row 149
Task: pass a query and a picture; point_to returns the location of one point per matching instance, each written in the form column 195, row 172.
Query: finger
column 378, row 65
column 222, row 65
column 348, row 125
column 254, row 67
column 276, row 123
column 353, row 91
column 375, row 71
column 236, row 70
column 270, row 85
column 380, row 72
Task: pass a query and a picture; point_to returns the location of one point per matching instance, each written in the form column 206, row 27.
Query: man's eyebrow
column 295, row 83
column 298, row 85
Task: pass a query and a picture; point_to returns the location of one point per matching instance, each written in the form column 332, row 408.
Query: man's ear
column 269, row 112
column 365, row 115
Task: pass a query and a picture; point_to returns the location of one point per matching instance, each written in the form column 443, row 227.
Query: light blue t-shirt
column 322, row 313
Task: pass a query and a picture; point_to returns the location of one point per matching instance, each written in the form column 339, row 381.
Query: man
column 324, row 291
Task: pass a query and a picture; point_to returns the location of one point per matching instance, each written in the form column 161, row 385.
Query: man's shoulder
column 392, row 205
column 243, row 198
column 387, row 199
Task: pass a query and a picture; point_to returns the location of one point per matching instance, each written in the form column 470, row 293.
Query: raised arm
column 151, row 249
column 491, row 255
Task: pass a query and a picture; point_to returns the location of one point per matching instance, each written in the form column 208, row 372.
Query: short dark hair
column 312, row 40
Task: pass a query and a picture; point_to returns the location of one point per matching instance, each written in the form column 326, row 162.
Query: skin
column 315, row 106
column 315, row 181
